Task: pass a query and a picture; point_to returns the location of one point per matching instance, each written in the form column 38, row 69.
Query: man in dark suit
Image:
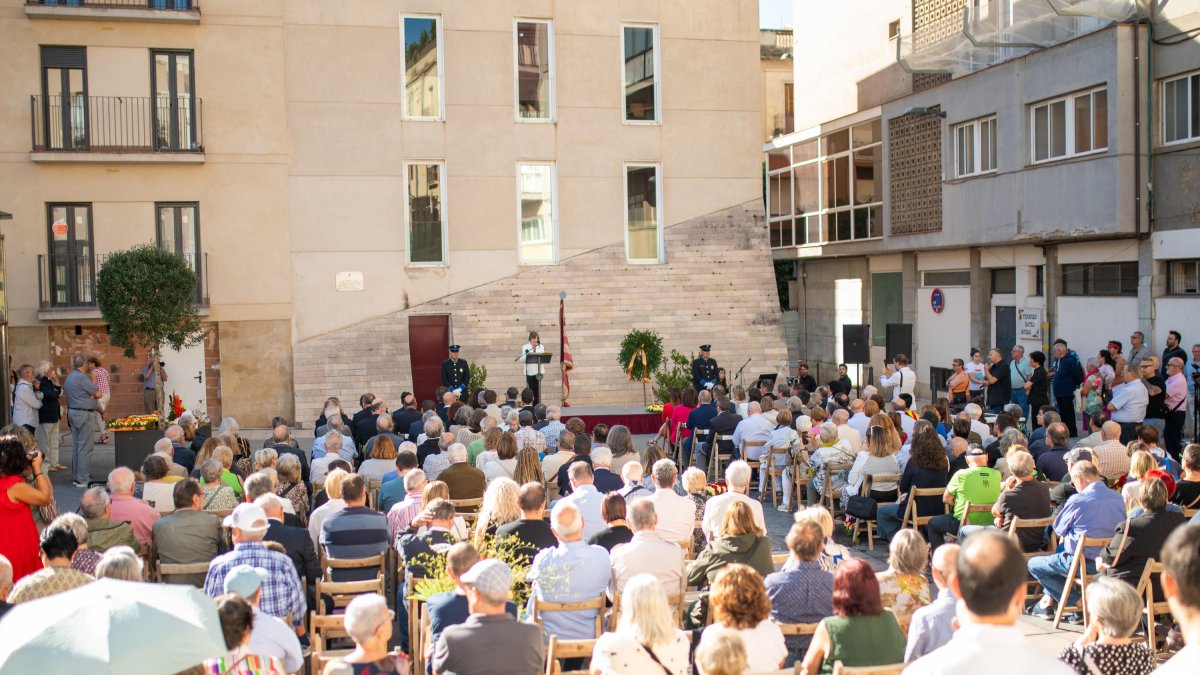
column 296, row 541
column 366, row 427
column 280, row 443
column 364, row 402
column 418, row 426
column 605, row 480
column 463, row 480
column 189, row 535
column 698, row 419
column 704, row 370
column 531, row 530
column 511, row 398
column 456, row 373
column 583, row 453
column 723, row 424
column 402, row 419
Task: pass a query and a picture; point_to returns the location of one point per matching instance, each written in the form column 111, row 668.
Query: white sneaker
column 784, row 507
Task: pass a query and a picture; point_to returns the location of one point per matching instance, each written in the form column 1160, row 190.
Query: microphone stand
column 738, row 376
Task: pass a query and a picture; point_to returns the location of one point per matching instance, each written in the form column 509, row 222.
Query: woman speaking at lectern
column 533, row 371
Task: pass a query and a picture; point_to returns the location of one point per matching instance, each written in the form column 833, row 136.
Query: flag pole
column 562, row 345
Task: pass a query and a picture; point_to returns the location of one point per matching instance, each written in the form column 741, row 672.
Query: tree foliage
column 147, row 297
column 637, row 339
column 676, row 372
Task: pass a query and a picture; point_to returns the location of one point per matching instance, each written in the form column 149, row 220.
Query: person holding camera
column 18, row 533
column 149, row 390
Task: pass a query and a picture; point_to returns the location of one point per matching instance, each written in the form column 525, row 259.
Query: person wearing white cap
column 282, row 592
column 269, row 636
column 491, row 640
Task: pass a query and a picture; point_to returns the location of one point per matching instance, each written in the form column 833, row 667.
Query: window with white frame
column 536, row 222
column 975, row 147
column 1069, row 126
column 422, row 67
column 639, row 49
column 424, row 194
column 1181, row 109
column 535, row 70
column 827, row 189
column 643, row 215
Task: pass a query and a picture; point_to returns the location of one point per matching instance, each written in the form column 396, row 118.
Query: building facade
column 360, row 185
column 990, row 174
column 778, row 95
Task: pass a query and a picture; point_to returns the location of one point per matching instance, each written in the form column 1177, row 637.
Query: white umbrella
column 111, row 626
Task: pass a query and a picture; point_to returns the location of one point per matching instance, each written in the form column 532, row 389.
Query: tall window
column 422, row 67
column 424, row 194
column 975, row 147
column 537, row 219
column 179, row 233
column 535, row 70
column 173, row 82
column 639, row 46
column 643, row 218
column 1069, row 126
column 1181, row 109
column 64, row 105
column 71, row 263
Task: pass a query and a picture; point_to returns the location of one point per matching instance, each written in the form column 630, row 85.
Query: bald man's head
column 945, row 565
column 1110, row 431
column 991, row 572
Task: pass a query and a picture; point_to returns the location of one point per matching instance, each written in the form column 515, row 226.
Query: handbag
column 863, row 508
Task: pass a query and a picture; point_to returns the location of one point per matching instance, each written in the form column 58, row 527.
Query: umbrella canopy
column 112, row 626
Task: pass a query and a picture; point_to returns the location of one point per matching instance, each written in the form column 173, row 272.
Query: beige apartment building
column 360, row 184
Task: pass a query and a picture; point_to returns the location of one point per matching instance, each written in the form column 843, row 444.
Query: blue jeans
column 1051, row 572
column 887, row 519
column 1021, row 398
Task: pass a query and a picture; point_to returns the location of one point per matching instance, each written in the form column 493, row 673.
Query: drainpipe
column 1137, row 134
column 1150, row 121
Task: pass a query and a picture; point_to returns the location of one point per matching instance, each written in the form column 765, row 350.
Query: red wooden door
column 428, row 343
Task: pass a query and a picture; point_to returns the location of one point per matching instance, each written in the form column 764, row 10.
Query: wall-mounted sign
column 937, row 300
column 348, row 282
column 1029, row 324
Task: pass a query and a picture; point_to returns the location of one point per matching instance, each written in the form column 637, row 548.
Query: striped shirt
column 355, row 532
column 282, row 592
column 403, row 513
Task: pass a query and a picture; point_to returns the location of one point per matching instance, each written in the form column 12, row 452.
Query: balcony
column 152, row 11
column 784, row 124
column 67, row 285
column 128, row 129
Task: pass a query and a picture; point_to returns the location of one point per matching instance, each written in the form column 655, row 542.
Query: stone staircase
column 718, row 286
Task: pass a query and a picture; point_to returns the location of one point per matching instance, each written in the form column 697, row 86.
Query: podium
column 540, row 360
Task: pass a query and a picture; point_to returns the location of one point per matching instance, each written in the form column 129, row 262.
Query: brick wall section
column 718, row 286
column 212, row 373
column 125, row 375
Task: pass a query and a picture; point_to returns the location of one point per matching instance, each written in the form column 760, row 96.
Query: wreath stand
column 639, row 354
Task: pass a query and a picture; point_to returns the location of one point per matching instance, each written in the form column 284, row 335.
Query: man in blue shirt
column 1068, row 375
column 573, row 571
column 933, row 625
column 355, row 532
column 801, row 592
column 698, row 419
column 393, row 490
column 1019, row 372
column 1094, row 511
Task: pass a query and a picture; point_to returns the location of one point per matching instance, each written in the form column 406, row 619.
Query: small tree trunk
column 158, row 388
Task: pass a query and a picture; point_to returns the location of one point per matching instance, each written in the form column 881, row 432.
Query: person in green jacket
column 738, row 541
column 103, row 533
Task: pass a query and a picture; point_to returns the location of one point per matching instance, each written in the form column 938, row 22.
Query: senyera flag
column 565, row 351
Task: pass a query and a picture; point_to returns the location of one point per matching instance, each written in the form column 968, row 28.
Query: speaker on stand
column 856, row 347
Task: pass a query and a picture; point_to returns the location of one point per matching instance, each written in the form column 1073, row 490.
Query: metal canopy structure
column 986, row 32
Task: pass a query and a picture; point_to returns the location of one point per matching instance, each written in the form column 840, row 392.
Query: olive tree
column 147, row 296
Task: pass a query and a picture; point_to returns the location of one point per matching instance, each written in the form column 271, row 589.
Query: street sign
column 1029, row 324
column 937, row 300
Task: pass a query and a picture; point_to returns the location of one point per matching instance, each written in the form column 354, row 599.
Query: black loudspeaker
column 856, row 343
column 899, row 341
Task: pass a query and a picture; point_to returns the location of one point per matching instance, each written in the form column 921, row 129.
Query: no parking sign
column 937, row 300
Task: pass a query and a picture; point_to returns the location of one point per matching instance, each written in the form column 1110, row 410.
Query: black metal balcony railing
column 116, row 124
column 69, row 281
column 185, row 5
column 784, row 124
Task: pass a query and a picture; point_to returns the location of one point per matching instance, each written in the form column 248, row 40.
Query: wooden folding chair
column 715, row 456
column 871, row 526
column 677, row 447
column 1033, row 591
column 966, row 517
column 1154, row 607
column 328, row 564
column 1190, row 513
column 776, row 472
column 163, row 570
column 890, row 669
column 567, row 649
column 373, row 487
column 690, row 553
column 755, row 464
column 416, row 648
column 342, row 592
column 322, row 629
column 912, row 518
column 1078, row 574
column 778, row 559
column 541, row 607
column 464, row 507
column 831, row 496
column 800, row 481
column 696, row 434
column 791, row 629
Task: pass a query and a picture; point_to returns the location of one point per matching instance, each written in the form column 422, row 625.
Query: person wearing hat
column 978, row 484
column 456, row 373
column 282, row 590
column 490, row 640
column 704, row 370
column 269, row 636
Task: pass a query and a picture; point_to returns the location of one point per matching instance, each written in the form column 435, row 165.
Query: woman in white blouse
column 647, row 639
column 506, row 459
column 738, row 602
column 879, row 458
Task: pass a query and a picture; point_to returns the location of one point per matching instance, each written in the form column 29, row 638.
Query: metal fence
column 179, row 5
column 69, row 281
column 75, row 123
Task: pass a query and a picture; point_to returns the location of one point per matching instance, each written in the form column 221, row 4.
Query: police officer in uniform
column 456, row 373
column 704, row 370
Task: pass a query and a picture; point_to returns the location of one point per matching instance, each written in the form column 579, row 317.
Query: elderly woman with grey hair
column 217, row 495
column 903, row 586
column 369, row 624
column 290, row 486
column 1106, row 646
column 120, row 562
column 85, row 560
